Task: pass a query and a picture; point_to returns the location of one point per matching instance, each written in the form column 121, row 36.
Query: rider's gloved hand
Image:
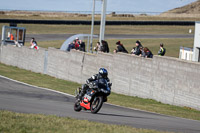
column 87, row 81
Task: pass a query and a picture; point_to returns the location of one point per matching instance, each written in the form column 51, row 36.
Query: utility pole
column 92, row 26
column 103, row 20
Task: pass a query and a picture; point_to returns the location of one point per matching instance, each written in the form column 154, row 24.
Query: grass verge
column 69, row 87
column 32, row 123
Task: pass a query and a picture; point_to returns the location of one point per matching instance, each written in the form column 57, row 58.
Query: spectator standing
column 34, row 44
column 104, row 47
column 120, row 48
column 76, row 43
column 10, row 36
column 137, row 48
column 81, row 45
column 162, row 50
column 148, row 53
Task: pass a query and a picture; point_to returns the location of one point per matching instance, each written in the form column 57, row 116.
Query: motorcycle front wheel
column 77, row 106
column 96, row 104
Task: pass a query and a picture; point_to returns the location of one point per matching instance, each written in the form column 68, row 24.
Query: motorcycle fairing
column 85, row 105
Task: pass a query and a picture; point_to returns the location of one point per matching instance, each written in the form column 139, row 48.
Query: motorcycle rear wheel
column 77, row 106
column 96, row 104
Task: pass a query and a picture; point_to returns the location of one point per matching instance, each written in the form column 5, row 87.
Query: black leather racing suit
column 96, row 77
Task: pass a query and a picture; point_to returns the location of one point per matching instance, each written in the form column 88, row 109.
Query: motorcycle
column 94, row 97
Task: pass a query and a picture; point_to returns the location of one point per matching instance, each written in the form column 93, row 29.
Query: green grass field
column 32, row 123
column 110, row 29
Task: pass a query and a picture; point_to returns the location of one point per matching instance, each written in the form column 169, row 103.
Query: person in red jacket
column 10, row 36
column 77, row 43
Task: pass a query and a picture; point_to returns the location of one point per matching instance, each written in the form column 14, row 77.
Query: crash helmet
column 103, row 72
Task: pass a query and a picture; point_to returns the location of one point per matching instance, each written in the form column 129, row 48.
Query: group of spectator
column 102, row 46
column 33, row 42
column 77, row 44
column 139, row 50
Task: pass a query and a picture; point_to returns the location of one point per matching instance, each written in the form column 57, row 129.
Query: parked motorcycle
column 93, row 98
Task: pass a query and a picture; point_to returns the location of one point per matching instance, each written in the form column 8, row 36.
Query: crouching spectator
column 104, row 47
column 142, row 53
column 98, row 47
column 81, row 45
column 148, row 53
column 33, row 44
column 120, row 48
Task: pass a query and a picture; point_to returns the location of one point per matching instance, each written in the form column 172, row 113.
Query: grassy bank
column 69, row 87
column 31, row 123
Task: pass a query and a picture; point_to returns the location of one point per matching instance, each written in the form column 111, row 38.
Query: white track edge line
column 36, row 86
column 66, row 94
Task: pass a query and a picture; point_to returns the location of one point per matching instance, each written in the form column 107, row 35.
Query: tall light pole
column 92, row 26
column 103, row 20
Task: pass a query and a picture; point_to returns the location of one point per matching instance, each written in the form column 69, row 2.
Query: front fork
column 77, row 92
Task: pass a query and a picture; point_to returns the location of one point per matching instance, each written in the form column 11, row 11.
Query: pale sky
column 86, row 5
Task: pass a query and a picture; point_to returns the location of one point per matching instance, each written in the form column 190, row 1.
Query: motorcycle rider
column 99, row 78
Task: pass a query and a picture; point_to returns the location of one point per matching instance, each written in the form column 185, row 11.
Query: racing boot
column 80, row 97
column 83, row 90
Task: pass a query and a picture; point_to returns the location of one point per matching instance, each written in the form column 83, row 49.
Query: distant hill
column 190, row 10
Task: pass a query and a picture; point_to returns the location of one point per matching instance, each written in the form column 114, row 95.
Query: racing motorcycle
column 94, row 97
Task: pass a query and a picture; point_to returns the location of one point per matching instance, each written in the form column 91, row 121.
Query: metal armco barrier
column 84, row 22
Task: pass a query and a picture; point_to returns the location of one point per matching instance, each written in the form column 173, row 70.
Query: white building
column 192, row 54
column 186, row 53
column 196, row 50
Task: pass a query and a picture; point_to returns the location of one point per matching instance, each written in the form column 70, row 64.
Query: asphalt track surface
column 23, row 98
column 50, row 37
